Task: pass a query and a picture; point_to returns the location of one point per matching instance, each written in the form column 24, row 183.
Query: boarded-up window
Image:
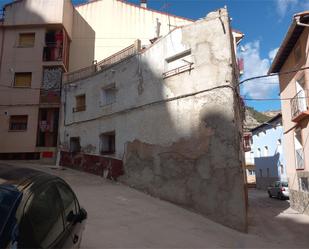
column 108, row 94
column 18, row 123
column 23, row 79
column 75, row 144
column 107, row 143
column 80, row 103
column 26, row 40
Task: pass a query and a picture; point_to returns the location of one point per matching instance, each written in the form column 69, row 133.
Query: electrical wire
column 272, row 74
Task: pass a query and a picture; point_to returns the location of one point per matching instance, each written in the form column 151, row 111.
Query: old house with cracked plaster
column 171, row 113
column 38, row 46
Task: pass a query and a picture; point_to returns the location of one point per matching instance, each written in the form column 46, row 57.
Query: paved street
column 273, row 220
column 121, row 217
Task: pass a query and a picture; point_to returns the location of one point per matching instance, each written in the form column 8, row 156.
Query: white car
column 279, row 189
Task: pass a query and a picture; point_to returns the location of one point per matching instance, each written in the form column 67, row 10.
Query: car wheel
column 280, row 196
column 269, row 194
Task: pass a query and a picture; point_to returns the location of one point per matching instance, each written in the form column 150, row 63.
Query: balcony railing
column 102, row 65
column 50, row 96
column 299, row 105
column 79, row 108
column 52, row 53
column 118, row 57
column 79, row 74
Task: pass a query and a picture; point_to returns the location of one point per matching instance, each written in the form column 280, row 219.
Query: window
column 267, row 172
column 251, row 172
column 23, row 79
column 281, row 169
column 68, row 200
column 303, row 184
column 266, row 151
column 259, row 154
column 261, row 173
column 18, row 123
column 80, row 103
column 26, row 40
column 108, row 95
column 178, row 63
column 75, row 144
column 107, row 143
column 45, row 223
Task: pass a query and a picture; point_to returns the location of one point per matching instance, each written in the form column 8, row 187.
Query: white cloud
column 272, row 54
column 284, row 5
column 254, row 65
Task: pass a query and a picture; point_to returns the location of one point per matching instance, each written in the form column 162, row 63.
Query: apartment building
column 293, row 56
column 38, row 46
column 170, row 112
column 249, row 160
column 34, row 53
column 267, row 153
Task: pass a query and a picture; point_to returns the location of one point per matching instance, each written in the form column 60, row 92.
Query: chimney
column 144, row 3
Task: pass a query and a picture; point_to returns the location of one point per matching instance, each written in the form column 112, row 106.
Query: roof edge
column 137, row 6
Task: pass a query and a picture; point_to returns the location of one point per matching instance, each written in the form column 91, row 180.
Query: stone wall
column 103, row 166
column 180, row 137
column 299, row 201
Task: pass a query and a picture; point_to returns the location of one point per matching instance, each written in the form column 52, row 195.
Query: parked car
column 38, row 210
column 279, row 189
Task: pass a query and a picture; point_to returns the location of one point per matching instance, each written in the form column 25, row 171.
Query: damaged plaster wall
column 176, row 144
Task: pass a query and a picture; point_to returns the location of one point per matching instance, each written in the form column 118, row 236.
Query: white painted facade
column 171, row 131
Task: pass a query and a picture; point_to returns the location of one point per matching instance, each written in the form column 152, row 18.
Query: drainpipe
column 2, row 44
column 297, row 19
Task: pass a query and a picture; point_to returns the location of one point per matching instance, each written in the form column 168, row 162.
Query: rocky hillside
column 255, row 118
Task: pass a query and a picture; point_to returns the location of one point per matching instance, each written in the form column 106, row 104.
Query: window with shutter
column 23, row 79
column 18, row 123
column 26, row 40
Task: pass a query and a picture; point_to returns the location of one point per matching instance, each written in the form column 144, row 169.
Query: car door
column 42, row 225
column 73, row 228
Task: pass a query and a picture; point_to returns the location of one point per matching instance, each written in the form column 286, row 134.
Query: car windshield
column 9, row 199
column 285, row 184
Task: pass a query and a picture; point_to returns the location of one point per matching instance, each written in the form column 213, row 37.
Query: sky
column 264, row 24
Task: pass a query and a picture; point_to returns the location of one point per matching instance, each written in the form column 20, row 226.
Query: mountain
column 254, row 118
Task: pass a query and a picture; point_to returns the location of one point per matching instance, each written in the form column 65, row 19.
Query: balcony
column 50, row 96
column 300, row 106
column 52, row 53
column 300, row 163
column 112, row 60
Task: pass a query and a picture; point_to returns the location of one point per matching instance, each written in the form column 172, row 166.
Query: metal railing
column 118, row 57
column 79, row 74
column 299, row 103
column 178, row 70
column 300, row 164
column 102, row 65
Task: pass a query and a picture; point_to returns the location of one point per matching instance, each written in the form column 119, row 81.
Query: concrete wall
column 288, row 90
column 83, row 43
column 20, row 101
column 27, row 16
column 113, row 33
column 185, row 149
column 39, row 12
